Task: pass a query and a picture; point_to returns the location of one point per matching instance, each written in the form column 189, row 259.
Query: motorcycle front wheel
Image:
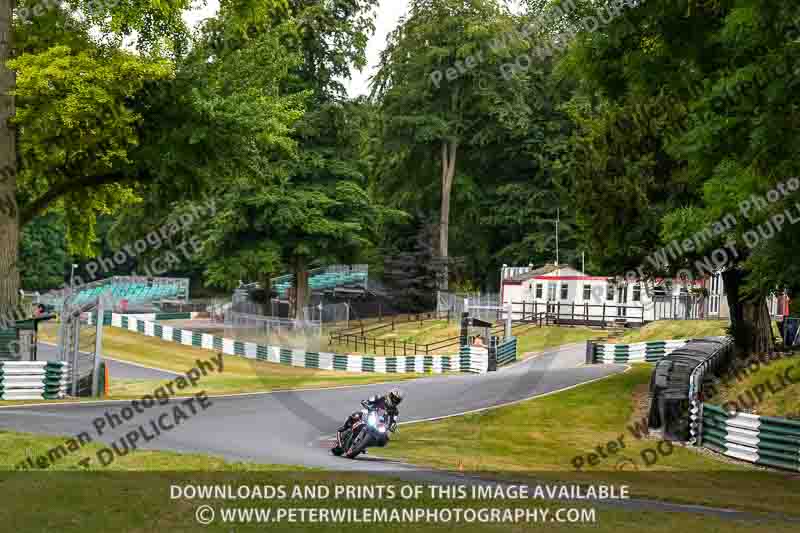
column 359, row 445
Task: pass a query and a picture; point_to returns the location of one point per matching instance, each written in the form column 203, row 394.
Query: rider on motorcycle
column 389, row 402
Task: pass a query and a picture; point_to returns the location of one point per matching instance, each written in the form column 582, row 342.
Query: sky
column 389, row 13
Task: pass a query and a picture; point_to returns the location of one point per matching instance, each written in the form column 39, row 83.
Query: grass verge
column 542, row 438
column 136, row 493
column 239, row 374
column 766, row 386
column 676, row 329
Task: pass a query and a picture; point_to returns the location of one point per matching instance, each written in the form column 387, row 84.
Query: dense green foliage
column 643, row 128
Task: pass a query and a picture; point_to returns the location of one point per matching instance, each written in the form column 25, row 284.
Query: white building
column 570, row 295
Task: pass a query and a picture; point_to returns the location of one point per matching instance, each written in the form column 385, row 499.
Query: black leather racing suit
column 373, row 402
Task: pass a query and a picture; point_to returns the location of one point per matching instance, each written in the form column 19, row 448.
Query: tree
column 310, row 210
column 442, row 93
column 699, row 95
column 43, row 253
column 38, row 183
column 9, row 210
column 307, row 204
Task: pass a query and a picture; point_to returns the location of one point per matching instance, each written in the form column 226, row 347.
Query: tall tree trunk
column 9, row 213
column 751, row 323
column 264, row 280
column 449, row 149
column 301, row 292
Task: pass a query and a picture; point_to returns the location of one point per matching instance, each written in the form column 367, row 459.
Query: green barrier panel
column 262, row 352
column 312, row 360
column 340, row 362
column 368, row 364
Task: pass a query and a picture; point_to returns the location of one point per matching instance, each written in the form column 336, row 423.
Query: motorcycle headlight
column 372, row 420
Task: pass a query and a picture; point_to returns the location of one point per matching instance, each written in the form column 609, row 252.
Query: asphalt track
column 116, row 368
column 291, row 427
column 294, row 427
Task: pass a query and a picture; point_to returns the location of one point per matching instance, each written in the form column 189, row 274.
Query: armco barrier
column 474, row 359
column 507, row 352
column 640, row 352
column 32, row 380
column 677, row 381
column 302, row 358
column 761, row 440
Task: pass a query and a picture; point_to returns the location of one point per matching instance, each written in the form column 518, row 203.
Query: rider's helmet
column 394, row 397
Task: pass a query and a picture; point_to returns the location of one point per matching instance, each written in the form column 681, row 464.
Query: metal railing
column 360, row 340
column 80, row 344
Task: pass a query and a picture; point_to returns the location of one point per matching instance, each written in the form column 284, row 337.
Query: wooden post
column 604, row 315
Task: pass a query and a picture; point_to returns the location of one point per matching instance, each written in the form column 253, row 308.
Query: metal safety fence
column 484, row 306
column 677, row 383
column 80, row 342
column 298, row 334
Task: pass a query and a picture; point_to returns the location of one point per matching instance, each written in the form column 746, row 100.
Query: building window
column 637, row 293
column 587, row 292
column 539, row 291
column 610, row 292
column 564, row 291
column 551, row 291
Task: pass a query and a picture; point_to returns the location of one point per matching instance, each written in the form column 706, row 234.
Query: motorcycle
column 370, row 430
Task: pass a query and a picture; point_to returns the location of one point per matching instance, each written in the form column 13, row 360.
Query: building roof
column 546, row 270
